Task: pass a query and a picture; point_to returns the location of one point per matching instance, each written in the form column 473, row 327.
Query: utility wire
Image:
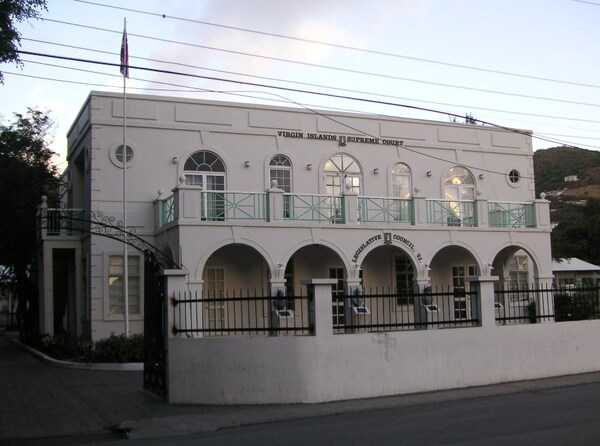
column 329, row 67
column 347, row 47
column 310, row 84
column 295, row 90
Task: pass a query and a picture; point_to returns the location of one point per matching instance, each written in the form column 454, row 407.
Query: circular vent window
column 118, row 154
column 514, row 176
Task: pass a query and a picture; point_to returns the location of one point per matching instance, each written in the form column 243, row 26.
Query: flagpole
column 125, row 254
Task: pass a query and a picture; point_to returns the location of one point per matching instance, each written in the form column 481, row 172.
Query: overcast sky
column 556, row 39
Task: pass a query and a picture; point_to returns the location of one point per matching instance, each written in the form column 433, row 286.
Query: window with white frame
column 342, row 172
column 459, row 185
column 116, row 299
column 214, row 286
column 204, row 168
column 401, row 181
column 460, row 285
column 280, row 170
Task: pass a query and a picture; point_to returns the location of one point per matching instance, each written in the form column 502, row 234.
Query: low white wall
column 289, row 369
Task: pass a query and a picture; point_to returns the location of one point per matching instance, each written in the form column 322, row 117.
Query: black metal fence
column 243, row 312
column 378, row 310
column 539, row 303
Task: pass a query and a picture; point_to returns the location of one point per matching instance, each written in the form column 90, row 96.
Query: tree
column 26, row 173
column 12, row 11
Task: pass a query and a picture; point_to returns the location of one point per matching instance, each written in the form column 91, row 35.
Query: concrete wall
column 240, row 370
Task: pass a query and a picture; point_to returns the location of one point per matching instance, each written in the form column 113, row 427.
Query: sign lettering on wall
column 341, row 139
column 388, row 239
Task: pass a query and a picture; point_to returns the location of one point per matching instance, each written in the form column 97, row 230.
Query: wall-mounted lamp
column 428, row 173
column 309, row 166
column 376, row 171
column 175, row 160
column 246, row 164
column 481, row 176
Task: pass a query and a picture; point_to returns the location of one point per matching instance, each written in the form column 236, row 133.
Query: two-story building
column 258, row 197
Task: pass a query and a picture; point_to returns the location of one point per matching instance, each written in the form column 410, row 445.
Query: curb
column 103, row 366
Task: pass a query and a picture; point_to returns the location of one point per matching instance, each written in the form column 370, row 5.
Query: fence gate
column 155, row 327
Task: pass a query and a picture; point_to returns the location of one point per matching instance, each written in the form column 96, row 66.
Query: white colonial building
column 258, row 197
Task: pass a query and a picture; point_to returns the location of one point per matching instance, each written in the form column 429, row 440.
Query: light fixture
column 481, row 176
column 428, row 173
column 175, row 160
column 376, row 171
column 246, row 164
column 309, row 166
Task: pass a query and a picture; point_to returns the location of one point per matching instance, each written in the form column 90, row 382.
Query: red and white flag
column 124, row 53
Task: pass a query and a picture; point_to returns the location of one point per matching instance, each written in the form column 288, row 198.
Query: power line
column 294, row 90
column 310, row 84
column 330, row 67
column 586, row 2
column 346, row 47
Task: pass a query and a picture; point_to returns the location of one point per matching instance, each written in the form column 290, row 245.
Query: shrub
column 119, row 349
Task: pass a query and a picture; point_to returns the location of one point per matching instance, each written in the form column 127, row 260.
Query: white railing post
column 158, row 212
column 542, row 213
column 484, row 285
column 274, row 202
column 320, row 290
column 482, row 213
column 43, row 216
column 419, row 211
column 350, row 198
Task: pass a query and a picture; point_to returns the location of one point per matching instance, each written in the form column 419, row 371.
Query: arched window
column 459, row 185
column 280, row 170
column 341, row 172
column 205, row 169
column 401, row 181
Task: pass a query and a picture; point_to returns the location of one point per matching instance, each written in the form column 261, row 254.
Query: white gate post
column 174, row 289
column 487, row 307
column 320, row 290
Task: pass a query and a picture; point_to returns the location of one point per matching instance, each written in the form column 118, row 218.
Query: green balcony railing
column 318, row 208
column 385, row 210
column 223, row 206
column 511, row 215
column 167, row 210
column 451, row 213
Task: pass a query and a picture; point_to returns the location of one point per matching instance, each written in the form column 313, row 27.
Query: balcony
column 61, row 223
column 196, row 206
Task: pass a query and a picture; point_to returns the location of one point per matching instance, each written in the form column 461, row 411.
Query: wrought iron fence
column 511, row 215
column 63, row 221
column 321, row 208
column 378, row 310
column 167, row 210
column 241, row 313
column 451, row 213
column 385, row 210
column 537, row 303
column 223, row 206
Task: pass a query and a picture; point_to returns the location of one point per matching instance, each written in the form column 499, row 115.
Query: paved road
column 560, row 416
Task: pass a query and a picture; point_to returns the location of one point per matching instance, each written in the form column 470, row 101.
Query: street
column 560, row 416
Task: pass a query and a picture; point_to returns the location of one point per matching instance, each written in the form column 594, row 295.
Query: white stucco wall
column 255, row 369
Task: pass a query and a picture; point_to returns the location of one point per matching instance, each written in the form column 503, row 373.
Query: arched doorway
column 235, row 271
column 451, row 269
column 318, row 262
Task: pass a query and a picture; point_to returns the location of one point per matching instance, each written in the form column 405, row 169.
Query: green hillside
column 552, row 165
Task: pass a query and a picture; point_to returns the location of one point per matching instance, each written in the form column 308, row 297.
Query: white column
column 420, row 211
column 350, row 198
column 485, row 287
column 275, row 202
column 482, row 213
column 542, row 214
column 320, row 289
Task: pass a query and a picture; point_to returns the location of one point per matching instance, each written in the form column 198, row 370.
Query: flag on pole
column 124, row 53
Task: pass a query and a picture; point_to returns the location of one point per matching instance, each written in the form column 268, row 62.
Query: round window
column 119, row 154
column 514, row 176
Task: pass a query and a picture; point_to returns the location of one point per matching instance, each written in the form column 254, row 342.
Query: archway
column 515, row 268
column 236, row 269
column 318, row 262
column 450, row 271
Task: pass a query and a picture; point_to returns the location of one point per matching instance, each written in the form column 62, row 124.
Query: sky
column 555, row 39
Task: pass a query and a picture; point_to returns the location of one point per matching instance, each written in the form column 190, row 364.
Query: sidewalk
column 46, row 402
